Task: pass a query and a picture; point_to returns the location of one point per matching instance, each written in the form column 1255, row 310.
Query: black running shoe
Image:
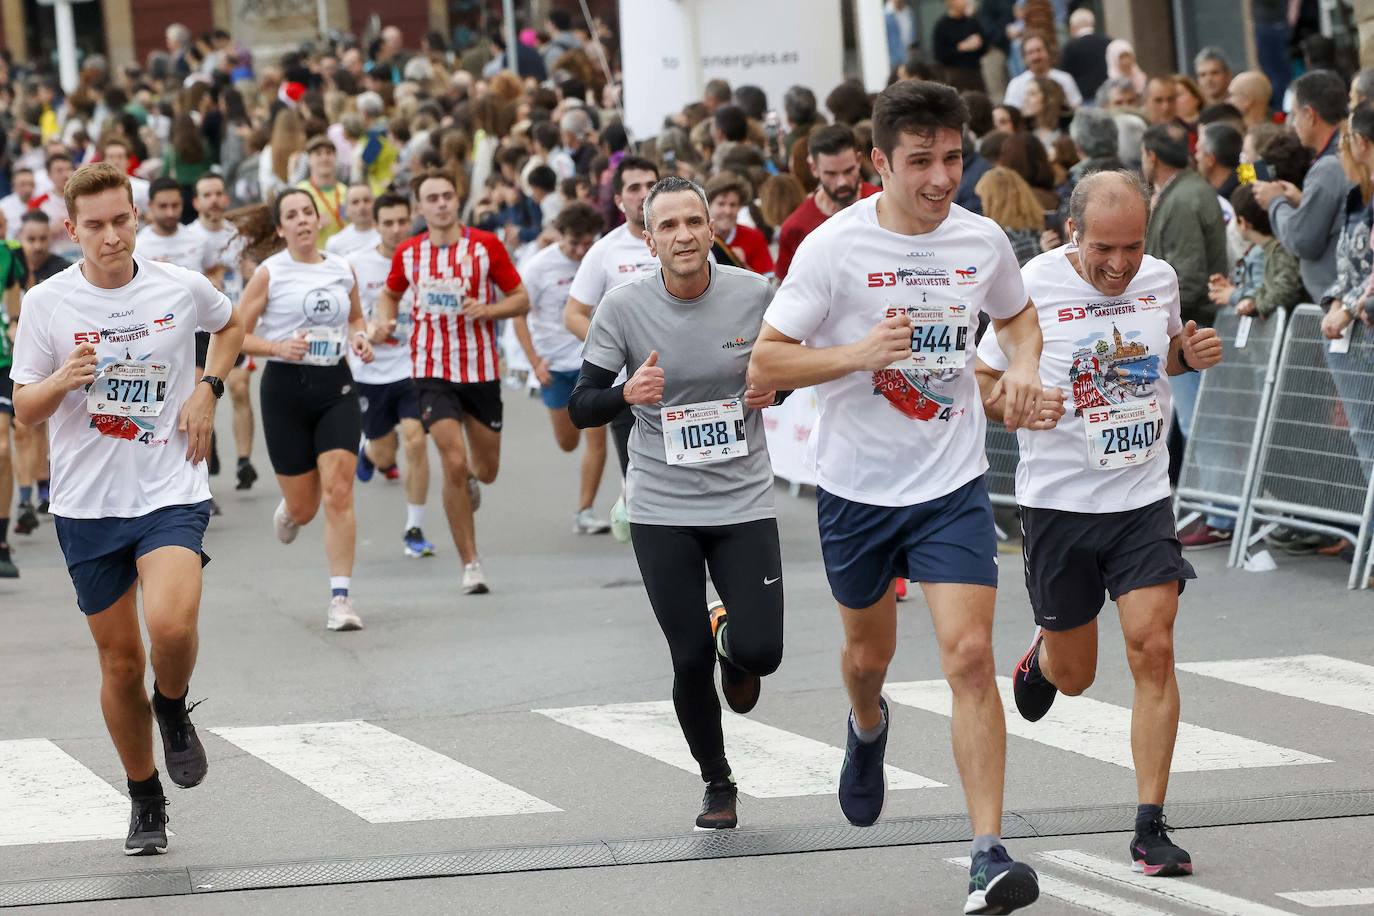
column 214, row 456
column 741, row 688
column 27, row 520
column 214, row 508
column 718, row 806
column 997, row 884
column 7, row 568
column 147, row 827
column 247, row 474
column 185, row 756
column 863, row 782
column 43, row 506
column 1034, row 695
column 1155, row 855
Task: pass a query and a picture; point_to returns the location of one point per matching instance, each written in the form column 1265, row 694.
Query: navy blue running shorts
column 558, row 393
column 949, row 539
column 102, row 553
column 386, row 405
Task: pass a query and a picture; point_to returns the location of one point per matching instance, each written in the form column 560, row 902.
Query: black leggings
column 745, row 563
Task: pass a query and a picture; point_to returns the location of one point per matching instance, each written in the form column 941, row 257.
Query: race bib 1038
column 704, row 432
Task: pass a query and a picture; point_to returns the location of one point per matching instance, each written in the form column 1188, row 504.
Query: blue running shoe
column 996, row 884
column 416, row 545
column 863, row 782
column 365, row 466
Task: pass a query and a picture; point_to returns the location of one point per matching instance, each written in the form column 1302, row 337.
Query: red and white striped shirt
column 445, row 343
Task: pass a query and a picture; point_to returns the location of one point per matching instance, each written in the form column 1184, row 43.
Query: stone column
column 1364, row 19
column 119, row 32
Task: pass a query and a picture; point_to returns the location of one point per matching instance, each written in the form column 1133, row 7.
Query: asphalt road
column 534, row 716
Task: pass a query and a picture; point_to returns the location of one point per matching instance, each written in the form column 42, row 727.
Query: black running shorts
column 1072, row 558
column 203, row 347
column 444, row 400
column 307, row 411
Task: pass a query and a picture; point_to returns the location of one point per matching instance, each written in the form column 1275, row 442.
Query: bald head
column 1250, row 92
column 1110, row 211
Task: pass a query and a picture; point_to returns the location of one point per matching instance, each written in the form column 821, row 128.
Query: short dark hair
column 729, row 183
column 753, row 100
column 579, row 219
column 560, row 20
column 208, row 176
column 546, row 134
column 163, row 184
column 57, row 157
column 979, row 107
column 717, row 89
column 1362, row 120
column 1247, row 208
column 1168, row 143
column 1219, row 112
column 1324, row 92
column 732, row 123
column 1223, row 141
column 35, row 216
column 1288, row 159
column 799, row 103
column 388, row 200
column 543, row 178
column 615, row 137
column 831, row 140
column 916, row 106
column 631, row 163
column 849, row 102
column 418, row 180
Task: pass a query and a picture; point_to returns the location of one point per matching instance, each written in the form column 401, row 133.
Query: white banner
column 670, row 48
column 788, row 430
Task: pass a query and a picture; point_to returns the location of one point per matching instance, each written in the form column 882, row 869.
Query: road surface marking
column 1178, row 890
column 1102, row 731
column 379, row 776
column 1087, row 898
column 768, row 762
column 48, row 797
column 1318, row 678
column 1352, row 896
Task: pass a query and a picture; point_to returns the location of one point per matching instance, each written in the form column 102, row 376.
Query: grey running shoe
column 185, row 755
column 147, row 827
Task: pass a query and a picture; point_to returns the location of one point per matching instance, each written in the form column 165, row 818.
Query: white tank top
column 312, row 298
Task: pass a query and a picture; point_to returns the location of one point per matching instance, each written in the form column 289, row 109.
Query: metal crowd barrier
column 1003, row 456
column 1228, row 425
column 1313, row 468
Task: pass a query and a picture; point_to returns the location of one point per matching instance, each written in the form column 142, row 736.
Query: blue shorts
column 948, row 539
column 557, row 393
column 385, row 406
column 102, row 553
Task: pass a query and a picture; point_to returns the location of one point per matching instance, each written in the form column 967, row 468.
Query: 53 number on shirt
column 704, row 432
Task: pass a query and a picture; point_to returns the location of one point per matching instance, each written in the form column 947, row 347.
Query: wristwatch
column 216, row 385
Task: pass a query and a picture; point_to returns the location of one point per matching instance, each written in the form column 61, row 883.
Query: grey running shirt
column 703, row 348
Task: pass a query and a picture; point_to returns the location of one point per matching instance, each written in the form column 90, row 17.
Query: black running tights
column 745, row 565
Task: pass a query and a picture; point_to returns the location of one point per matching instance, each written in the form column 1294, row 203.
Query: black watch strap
column 216, row 385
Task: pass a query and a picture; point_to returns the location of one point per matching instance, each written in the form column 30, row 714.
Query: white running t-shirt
column 391, row 358
column 224, row 246
column 1102, row 352
column 184, row 248
column 310, row 298
column 112, row 465
column 898, row 437
column 350, row 239
column 616, row 257
column 548, row 275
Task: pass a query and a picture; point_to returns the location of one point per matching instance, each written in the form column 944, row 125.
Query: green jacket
column 11, row 274
column 1282, row 287
column 1188, row 230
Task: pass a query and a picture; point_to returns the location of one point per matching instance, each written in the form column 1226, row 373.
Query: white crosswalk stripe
column 768, row 762
column 46, row 796
column 1186, row 892
column 1350, row 896
column 1085, row 898
column 1102, row 731
column 1316, row 678
column 355, row 765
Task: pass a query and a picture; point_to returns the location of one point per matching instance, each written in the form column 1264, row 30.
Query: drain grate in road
column 913, row 831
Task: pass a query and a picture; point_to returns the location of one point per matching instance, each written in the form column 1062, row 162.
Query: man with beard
column 833, row 155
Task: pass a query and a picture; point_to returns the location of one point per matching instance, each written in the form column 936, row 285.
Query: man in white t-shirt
column 361, row 232
column 15, row 204
column 105, row 354
column 1096, row 509
column 1035, row 49
column 165, row 239
column 52, row 202
column 555, row 354
column 617, row 256
column 885, row 295
column 116, row 153
column 385, row 387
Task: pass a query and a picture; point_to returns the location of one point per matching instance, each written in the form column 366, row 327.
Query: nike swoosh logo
column 768, row 581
